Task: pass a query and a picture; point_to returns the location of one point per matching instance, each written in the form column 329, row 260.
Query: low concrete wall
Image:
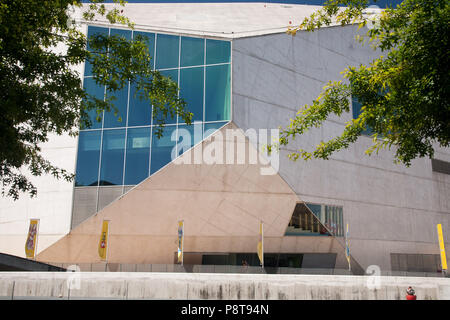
column 134, row 285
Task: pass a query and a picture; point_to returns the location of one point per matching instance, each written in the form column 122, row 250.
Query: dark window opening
column 356, row 110
column 310, row 219
column 440, row 166
column 416, row 262
column 272, row 261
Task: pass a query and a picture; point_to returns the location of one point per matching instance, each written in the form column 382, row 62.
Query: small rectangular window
column 440, row 166
column 356, row 110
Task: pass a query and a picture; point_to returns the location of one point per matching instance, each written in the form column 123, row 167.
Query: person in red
column 410, row 294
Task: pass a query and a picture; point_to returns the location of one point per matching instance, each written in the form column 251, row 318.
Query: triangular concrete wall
column 221, row 205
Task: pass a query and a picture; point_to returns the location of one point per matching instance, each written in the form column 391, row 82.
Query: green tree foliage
column 404, row 93
column 42, row 94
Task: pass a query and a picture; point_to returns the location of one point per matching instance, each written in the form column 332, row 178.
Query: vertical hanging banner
column 347, row 249
column 30, row 244
column 103, row 243
column 260, row 247
column 180, row 240
column 442, row 248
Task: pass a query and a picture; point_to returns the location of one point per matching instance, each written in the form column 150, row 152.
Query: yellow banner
column 103, row 243
column 441, row 247
column 30, row 244
column 180, row 240
column 260, row 247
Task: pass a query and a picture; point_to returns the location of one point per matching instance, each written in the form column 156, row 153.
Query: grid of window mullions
column 330, row 216
column 126, row 118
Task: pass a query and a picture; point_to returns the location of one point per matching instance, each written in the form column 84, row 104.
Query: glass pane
column 163, row 149
column 167, row 49
column 303, row 223
column 290, row 260
column 88, row 158
column 192, row 51
column 341, row 222
column 191, row 90
column 172, row 74
column 91, row 32
column 98, row 92
column 121, row 101
column 150, row 41
column 138, row 155
column 356, row 110
column 315, row 208
column 111, row 171
column 333, row 220
column 113, row 120
column 188, row 136
column 140, row 111
column 121, row 33
column 217, row 51
column 218, row 93
column 210, row 128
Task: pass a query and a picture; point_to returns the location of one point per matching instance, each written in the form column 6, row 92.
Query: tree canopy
column 41, row 93
column 404, row 93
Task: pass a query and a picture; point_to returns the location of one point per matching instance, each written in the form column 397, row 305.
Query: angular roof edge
column 215, row 20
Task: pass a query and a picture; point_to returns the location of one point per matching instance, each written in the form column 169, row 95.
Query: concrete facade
column 53, row 202
column 391, row 209
column 221, row 205
column 52, row 205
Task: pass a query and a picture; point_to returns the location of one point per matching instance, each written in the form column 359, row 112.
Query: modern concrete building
column 240, row 74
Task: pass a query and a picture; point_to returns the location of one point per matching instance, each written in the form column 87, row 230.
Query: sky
column 380, row 3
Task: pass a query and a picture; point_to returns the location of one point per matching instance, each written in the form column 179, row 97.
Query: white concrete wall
column 135, row 285
column 390, row 208
column 53, row 203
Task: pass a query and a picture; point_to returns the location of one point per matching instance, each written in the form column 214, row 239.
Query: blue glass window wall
column 125, row 151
